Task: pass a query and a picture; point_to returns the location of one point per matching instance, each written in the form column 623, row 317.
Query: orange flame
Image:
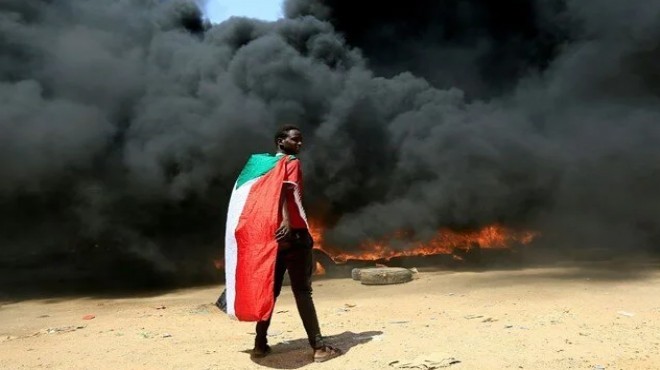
column 444, row 242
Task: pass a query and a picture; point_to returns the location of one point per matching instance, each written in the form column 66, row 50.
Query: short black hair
column 283, row 132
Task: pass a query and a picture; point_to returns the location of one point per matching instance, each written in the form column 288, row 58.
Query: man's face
column 292, row 143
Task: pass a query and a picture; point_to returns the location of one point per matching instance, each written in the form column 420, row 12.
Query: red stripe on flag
column 257, row 248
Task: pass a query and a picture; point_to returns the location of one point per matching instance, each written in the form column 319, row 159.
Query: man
column 267, row 234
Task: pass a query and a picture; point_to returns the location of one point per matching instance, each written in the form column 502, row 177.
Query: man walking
column 267, row 234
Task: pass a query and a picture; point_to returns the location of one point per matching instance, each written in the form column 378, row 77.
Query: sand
column 564, row 317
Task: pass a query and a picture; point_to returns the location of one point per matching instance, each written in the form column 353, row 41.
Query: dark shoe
column 259, row 351
column 326, row 353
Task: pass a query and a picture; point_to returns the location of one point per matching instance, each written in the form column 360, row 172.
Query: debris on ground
column 426, row 362
column 61, row 329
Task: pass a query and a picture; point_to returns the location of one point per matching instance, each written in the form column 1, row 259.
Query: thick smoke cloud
column 124, row 124
column 481, row 46
column 565, row 147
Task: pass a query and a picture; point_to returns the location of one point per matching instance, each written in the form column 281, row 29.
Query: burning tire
column 385, row 275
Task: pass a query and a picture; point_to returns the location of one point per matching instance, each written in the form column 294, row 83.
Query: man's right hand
column 283, row 232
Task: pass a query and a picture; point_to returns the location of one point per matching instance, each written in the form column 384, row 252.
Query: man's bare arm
column 285, row 226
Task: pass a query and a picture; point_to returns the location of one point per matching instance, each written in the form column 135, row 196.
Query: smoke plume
column 124, row 124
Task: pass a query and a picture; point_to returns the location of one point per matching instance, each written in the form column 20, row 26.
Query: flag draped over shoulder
column 250, row 247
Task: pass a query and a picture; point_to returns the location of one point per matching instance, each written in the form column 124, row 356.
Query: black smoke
column 123, row 124
column 539, row 114
column 481, row 46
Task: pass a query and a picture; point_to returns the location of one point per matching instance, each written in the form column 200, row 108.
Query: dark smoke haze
column 124, row 124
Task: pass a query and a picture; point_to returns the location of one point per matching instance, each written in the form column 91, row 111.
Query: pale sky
column 219, row 10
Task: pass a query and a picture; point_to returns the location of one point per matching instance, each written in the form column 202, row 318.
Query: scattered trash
column 283, row 311
column 490, row 319
column 62, row 329
column 349, row 305
column 450, row 294
column 426, row 362
column 627, row 314
column 89, row 317
column 470, row 317
column 167, row 335
column 161, row 307
column 399, row 322
column 599, row 367
column 508, row 326
column 414, row 270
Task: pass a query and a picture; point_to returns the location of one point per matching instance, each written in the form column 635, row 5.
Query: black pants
column 297, row 259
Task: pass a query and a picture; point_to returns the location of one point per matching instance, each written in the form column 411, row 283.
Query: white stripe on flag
column 236, row 204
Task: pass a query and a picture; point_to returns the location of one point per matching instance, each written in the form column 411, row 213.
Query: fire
column 444, row 242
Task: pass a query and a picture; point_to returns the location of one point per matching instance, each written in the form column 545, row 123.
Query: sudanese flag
column 253, row 216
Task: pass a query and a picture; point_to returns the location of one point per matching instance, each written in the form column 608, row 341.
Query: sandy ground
column 565, row 317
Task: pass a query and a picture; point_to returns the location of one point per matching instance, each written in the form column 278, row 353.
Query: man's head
column 288, row 140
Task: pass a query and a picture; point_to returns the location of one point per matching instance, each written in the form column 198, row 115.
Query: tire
column 355, row 273
column 385, row 276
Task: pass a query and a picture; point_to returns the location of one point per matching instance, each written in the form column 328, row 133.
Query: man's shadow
column 297, row 353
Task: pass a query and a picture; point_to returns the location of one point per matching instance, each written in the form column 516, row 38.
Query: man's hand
column 283, row 232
